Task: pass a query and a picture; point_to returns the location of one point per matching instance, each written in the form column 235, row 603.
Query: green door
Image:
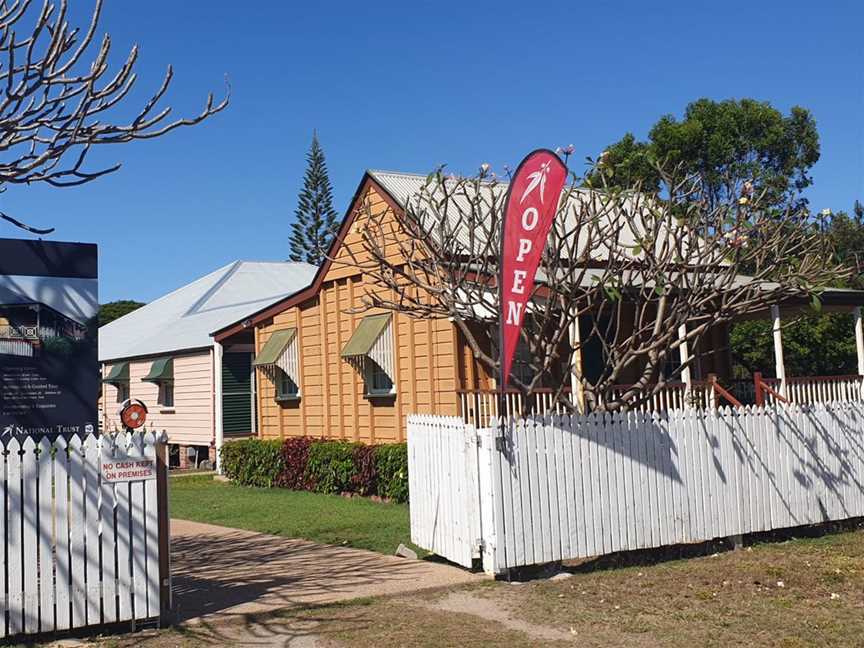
column 237, row 394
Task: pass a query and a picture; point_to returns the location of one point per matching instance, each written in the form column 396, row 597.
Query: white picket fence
column 79, row 551
column 559, row 488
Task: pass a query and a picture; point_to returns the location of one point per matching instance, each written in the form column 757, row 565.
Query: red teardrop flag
column 529, row 209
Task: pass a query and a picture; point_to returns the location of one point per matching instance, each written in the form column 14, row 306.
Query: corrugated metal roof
column 413, row 193
column 185, row 318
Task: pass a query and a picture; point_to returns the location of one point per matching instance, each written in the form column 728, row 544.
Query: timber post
column 165, row 595
column 757, row 384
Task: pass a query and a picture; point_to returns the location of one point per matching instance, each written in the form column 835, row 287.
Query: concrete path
column 222, row 574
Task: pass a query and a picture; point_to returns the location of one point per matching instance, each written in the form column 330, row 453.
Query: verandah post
column 576, row 392
column 778, row 349
column 859, row 347
column 218, row 422
column 684, row 352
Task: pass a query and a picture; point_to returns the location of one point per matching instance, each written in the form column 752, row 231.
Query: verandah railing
column 807, row 390
column 479, row 406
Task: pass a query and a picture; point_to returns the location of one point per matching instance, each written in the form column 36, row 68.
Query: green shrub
column 323, row 466
column 330, row 467
column 252, row 462
column 391, row 463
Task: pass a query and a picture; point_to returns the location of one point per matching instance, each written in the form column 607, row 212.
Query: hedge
column 324, row 466
column 252, row 462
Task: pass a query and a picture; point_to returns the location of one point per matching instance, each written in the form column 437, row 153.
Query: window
column 280, row 360
column 118, row 377
column 166, row 393
column 161, row 374
column 521, row 368
column 370, row 352
column 377, row 380
column 286, row 388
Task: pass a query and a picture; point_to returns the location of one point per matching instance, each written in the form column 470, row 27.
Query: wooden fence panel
column 92, row 571
column 65, row 528
column 61, row 518
column 45, row 604
column 575, row 487
column 14, row 548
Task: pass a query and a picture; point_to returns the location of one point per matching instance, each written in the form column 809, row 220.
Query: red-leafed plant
column 295, row 458
column 365, row 478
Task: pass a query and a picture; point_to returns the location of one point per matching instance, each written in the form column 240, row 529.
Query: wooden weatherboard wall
column 190, row 420
column 332, row 402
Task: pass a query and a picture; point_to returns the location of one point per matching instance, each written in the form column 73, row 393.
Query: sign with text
column 128, row 468
column 49, row 370
column 529, row 209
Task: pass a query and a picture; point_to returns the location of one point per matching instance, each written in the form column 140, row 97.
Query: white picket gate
column 442, row 470
column 79, row 550
column 558, row 488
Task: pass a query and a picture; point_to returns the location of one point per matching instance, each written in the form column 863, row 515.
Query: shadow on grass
column 648, row 557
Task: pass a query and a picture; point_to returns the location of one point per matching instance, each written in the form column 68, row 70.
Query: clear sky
column 407, row 86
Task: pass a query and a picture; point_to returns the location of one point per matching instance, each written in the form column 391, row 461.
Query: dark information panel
column 49, row 369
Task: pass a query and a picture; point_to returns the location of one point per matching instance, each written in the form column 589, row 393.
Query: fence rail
column 80, row 550
column 557, row 488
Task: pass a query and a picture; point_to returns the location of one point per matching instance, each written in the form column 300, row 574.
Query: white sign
column 128, row 468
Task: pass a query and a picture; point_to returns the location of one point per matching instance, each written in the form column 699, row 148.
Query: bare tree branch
column 628, row 266
column 55, row 106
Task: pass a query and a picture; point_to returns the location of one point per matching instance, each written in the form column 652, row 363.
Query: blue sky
column 407, row 86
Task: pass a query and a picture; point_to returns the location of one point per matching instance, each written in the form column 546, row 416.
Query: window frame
column 371, row 371
column 281, row 378
column 165, row 397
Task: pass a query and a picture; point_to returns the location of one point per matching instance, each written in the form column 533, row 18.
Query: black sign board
column 49, row 369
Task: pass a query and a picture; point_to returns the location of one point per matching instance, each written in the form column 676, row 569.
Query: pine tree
column 315, row 219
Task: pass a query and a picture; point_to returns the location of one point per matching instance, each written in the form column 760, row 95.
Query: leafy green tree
column 116, row 309
column 316, row 219
column 817, row 344
column 846, row 234
column 820, row 344
column 725, row 143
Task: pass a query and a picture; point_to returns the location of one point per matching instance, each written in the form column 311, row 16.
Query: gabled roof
column 312, row 289
column 185, row 319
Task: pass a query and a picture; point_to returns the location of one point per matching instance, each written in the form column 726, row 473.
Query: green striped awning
column 365, row 335
column 274, row 347
column 119, row 374
column 162, row 370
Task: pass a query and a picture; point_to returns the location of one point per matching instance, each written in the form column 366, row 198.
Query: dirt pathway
column 488, row 609
column 220, row 574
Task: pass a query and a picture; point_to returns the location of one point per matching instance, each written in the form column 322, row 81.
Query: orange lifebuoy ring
column 133, row 414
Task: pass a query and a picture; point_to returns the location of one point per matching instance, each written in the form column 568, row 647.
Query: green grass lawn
column 331, row 519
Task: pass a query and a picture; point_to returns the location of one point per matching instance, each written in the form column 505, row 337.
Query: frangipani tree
column 627, row 267
column 60, row 96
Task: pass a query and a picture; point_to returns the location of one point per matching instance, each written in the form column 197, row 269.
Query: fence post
column 165, row 595
column 757, row 384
